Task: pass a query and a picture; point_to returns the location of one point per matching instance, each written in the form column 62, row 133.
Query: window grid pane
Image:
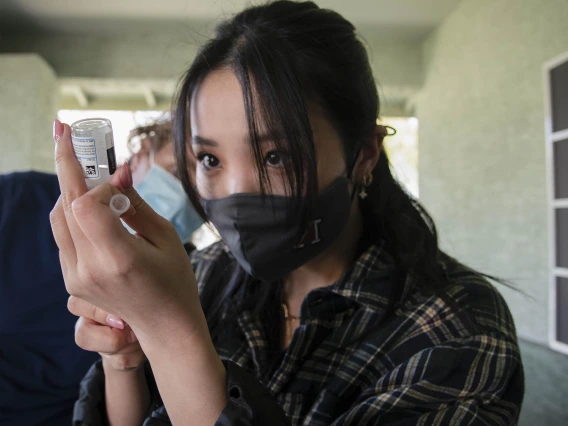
column 559, row 90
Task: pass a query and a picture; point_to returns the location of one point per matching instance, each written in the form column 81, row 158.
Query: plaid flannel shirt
column 372, row 349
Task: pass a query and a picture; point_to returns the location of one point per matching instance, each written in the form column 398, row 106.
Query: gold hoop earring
column 367, row 180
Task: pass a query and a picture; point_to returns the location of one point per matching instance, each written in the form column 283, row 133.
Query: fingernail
column 114, row 322
column 126, row 177
column 133, row 338
column 57, row 130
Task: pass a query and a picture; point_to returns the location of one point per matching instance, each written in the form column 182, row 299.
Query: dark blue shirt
column 40, row 365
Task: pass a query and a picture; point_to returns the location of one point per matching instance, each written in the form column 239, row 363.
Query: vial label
column 110, row 153
column 86, row 153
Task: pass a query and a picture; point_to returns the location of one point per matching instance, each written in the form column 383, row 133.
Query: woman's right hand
column 98, row 331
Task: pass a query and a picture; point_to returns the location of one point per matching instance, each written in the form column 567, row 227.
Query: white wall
column 482, row 148
column 27, row 109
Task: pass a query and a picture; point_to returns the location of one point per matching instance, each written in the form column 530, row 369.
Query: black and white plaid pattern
column 374, row 348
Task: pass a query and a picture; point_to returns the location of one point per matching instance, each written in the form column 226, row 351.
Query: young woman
column 328, row 300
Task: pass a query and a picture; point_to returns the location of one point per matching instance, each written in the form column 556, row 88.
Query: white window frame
column 553, row 204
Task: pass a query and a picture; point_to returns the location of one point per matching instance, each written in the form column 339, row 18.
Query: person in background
column 154, row 175
column 40, row 364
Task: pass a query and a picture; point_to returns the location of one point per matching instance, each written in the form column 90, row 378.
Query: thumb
column 145, row 221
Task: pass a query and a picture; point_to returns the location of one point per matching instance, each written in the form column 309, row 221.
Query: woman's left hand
column 145, row 279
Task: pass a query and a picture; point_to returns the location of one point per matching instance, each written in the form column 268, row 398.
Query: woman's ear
column 369, row 154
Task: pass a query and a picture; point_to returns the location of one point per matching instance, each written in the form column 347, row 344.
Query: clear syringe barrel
column 93, row 143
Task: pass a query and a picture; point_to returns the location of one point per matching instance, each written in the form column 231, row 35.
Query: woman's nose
column 243, row 181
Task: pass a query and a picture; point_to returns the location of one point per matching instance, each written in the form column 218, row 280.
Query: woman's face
column 221, row 144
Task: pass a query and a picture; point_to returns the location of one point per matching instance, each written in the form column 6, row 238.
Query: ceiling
column 408, row 19
column 403, row 20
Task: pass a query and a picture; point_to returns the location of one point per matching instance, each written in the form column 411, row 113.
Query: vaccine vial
column 94, row 148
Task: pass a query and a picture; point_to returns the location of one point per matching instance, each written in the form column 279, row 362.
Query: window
column 556, row 89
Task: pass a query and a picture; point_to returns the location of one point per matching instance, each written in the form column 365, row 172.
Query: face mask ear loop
column 152, row 163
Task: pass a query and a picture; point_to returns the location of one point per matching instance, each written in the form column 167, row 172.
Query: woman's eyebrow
column 198, row 140
column 268, row 137
column 263, row 138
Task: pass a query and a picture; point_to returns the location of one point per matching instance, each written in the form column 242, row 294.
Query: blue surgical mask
column 165, row 194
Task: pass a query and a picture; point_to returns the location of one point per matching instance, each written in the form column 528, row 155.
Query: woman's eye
column 209, row 161
column 274, row 158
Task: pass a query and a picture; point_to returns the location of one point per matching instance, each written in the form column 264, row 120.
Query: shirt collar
column 371, row 281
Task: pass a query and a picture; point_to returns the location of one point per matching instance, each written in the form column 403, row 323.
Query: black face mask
column 262, row 237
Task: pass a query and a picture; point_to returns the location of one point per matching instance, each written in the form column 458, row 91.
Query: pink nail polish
column 57, row 130
column 126, row 177
column 114, row 322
